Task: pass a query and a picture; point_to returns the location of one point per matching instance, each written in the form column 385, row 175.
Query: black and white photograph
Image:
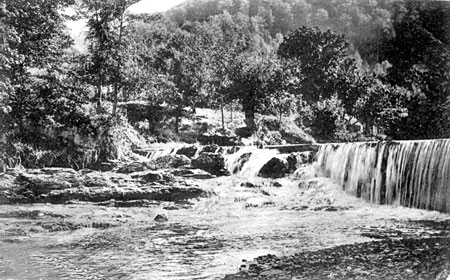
column 224, row 139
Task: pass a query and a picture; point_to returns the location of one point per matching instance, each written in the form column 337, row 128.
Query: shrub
column 327, row 121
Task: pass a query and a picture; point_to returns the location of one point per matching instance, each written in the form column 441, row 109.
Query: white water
column 253, row 164
column 409, row 173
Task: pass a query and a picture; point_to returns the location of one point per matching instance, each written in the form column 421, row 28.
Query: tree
column 107, row 23
column 37, row 61
column 420, row 58
column 182, row 62
column 6, row 56
column 253, row 80
column 229, row 36
column 381, row 105
column 318, row 56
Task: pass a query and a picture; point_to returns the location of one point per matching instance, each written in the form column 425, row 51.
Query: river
column 211, row 237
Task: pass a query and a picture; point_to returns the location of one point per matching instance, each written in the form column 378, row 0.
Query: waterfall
column 408, row 173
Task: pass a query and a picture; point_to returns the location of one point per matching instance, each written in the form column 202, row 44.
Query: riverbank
column 399, row 258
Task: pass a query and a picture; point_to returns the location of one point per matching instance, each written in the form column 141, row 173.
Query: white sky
column 153, row 6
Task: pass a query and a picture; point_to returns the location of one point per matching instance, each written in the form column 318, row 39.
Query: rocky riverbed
column 183, row 217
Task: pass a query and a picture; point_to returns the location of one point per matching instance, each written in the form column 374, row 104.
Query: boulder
column 211, row 162
column 296, row 160
column 189, row 151
column 274, row 168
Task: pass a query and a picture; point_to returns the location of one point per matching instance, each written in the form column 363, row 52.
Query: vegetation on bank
column 385, row 64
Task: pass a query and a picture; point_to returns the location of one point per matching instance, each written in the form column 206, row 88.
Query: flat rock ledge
column 61, row 185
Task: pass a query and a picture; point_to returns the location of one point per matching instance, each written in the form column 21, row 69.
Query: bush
column 327, row 120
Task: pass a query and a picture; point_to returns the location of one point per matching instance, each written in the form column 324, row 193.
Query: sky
column 153, row 6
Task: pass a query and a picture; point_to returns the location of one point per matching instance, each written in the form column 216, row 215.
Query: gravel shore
column 427, row 258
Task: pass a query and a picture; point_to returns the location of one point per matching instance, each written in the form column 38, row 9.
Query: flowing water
column 410, row 173
column 209, row 240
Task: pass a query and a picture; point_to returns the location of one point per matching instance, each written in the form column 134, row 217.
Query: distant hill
column 363, row 22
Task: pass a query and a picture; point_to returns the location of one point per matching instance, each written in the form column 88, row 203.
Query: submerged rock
column 275, row 184
column 161, row 218
column 249, row 185
column 274, row 168
column 258, row 202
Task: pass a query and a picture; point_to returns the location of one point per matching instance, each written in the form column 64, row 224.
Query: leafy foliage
column 420, row 58
column 319, row 56
column 385, row 63
column 107, row 23
column 327, row 120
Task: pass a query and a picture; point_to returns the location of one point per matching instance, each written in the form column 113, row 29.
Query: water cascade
column 248, row 161
column 408, row 173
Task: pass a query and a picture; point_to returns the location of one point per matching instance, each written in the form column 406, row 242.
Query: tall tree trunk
column 223, row 115
column 178, row 113
column 177, row 123
column 119, row 61
column 99, row 97
column 114, row 111
column 250, row 119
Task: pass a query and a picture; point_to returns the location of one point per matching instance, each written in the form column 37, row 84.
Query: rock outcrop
column 57, row 185
column 211, row 162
